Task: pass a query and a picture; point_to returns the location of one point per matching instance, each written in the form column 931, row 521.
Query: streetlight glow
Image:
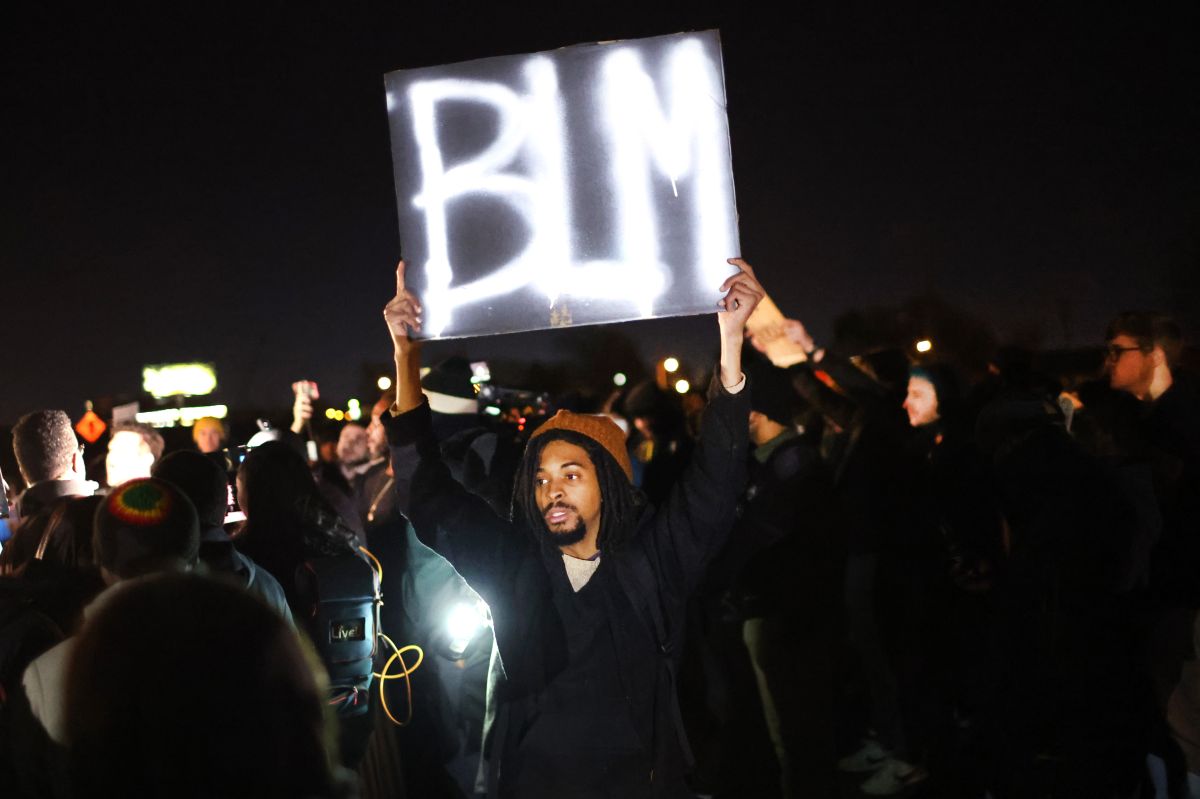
column 683, row 386
column 384, row 383
column 671, row 365
column 619, row 379
column 924, row 345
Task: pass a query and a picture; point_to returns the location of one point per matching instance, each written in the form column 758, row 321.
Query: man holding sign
column 587, row 583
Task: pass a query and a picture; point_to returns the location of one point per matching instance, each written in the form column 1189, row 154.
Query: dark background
column 215, row 182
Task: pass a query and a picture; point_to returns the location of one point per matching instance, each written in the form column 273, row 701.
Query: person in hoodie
column 587, row 583
column 204, row 483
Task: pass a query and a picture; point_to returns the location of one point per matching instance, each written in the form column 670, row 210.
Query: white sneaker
column 893, row 777
column 870, row 757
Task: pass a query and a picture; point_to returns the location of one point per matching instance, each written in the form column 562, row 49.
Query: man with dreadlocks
column 586, row 582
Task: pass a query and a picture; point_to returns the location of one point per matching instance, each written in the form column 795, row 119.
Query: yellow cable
column 375, row 560
column 398, row 654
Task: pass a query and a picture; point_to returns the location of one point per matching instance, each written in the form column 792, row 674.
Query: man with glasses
column 1143, row 358
column 1143, row 346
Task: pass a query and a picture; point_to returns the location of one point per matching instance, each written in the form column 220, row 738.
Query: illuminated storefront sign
column 179, row 379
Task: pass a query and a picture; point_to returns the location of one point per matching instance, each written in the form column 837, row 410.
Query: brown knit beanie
column 601, row 429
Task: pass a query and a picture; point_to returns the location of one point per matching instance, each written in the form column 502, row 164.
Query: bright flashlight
column 924, row 345
column 683, row 386
column 463, row 623
column 671, row 365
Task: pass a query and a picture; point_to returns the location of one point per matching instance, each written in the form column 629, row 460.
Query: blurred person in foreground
column 142, row 527
column 587, row 583
column 181, row 686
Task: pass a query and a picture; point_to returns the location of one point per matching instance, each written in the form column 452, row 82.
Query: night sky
column 217, row 185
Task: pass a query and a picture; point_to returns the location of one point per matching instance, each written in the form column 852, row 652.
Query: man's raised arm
column 459, row 525
column 743, row 295
column 403, row 316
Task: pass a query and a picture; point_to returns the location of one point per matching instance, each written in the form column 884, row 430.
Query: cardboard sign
column 584, row 185
column 766, row 324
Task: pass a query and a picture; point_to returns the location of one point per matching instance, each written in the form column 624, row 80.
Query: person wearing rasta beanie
column 143, row 526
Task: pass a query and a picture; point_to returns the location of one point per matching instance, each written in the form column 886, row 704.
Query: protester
column 39, row 607
column 133, row 448
column 203, row 482
column 377, row 498
column 477, row 454
column 442, row 747
column 1143, row 355
column 336, row 481
column 964, row 589
column 353, row 452
column 287, row 519
column 50, row 459
column 66, row 543
column 181, row 686
column 658, row 446
column 209, row 435
column 865, row 447
column 782, row 555
column 1063, row 712
column 144, row 526
column 62, row 576
column 588, row 705
column 1143, row 359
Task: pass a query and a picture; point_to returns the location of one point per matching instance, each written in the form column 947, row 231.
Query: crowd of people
column 843, row 574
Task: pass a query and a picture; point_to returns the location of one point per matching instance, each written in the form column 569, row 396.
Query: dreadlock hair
column 620, row 501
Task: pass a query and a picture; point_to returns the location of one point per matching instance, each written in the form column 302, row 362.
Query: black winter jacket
column 538, row 623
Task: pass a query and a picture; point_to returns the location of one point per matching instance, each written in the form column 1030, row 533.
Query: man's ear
column 78, row 464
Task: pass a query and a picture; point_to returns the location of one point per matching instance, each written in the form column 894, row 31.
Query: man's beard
column 567, row 537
